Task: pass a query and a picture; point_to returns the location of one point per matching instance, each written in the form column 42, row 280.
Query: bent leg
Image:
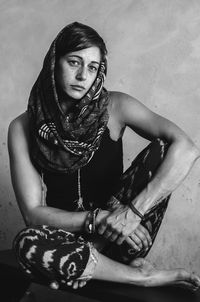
column 133, row 181
column 48, row 254
column 54, row 255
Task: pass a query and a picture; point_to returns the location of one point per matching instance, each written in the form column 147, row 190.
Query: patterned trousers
column 47, row 253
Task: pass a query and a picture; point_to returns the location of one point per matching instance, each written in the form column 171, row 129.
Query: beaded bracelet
column 90, row 222
column 133, row 208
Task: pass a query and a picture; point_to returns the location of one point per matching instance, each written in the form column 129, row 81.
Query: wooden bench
column 16, row 287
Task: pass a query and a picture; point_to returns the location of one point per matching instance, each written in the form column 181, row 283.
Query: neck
column 66, row 102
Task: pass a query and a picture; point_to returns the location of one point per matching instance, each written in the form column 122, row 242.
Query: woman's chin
column 76, row 95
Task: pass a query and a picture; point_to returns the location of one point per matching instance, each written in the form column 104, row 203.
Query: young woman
column 85, row 217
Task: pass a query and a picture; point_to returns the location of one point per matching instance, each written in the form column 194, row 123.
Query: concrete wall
column 154, row 55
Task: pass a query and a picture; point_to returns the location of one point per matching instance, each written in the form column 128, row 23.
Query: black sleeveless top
column 98, row 179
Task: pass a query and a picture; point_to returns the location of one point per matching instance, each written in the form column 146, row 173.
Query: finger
column 142, row 237
column 132, row 244
column 101, row 229
column 137, row 240
column 146, row 233
column 120, row 239
column 114, row 236
column 107, row 234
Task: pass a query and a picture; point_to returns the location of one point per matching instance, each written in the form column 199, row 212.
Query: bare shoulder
column 20, row 123
column 122, row 104
column 18, row 132
column 117, row 122
column 118, row 97
column 120, row 100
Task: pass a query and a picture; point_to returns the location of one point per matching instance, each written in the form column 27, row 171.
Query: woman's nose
column 82, row 74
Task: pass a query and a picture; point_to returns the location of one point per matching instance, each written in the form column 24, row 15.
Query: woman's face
column 76, row 71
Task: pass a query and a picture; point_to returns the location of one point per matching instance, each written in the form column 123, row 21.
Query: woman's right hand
column 139, row 239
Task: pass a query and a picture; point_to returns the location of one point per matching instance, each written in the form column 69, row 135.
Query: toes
column 54, row 285
column 195, row 280
column 75, row 284
column 70, row 283
column 82, row 283
column 188, row 279
column 186, row 285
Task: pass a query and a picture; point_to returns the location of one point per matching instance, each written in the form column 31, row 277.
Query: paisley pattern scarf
column 65, row 142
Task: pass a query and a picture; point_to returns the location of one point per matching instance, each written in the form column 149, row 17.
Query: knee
column 27, row 240
column 162, row 146
column 24, row 246
column 154, row 154
column 47, row 253
column 38, row 238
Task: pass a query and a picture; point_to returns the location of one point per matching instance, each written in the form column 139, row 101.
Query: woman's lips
column 77, row 87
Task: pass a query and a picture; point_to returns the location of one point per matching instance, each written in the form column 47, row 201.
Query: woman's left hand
column 119, row 224
column 141, row 238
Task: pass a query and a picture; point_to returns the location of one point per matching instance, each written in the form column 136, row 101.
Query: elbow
column 190, row 149
column 30, row 218
column 195, row 152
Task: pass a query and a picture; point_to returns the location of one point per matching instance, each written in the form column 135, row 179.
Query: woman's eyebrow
column 79, row 57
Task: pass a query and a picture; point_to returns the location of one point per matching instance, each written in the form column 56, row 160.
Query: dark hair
column 77, row 36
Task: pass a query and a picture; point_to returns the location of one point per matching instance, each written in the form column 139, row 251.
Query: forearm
column 177, row 163
column 69, row 221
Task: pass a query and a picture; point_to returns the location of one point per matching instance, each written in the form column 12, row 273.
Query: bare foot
column 156, row 277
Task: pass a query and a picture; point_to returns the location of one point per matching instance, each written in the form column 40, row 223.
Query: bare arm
column 27, row 184
column 180, row 157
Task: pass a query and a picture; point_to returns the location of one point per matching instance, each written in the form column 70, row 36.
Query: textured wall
column 154, row 55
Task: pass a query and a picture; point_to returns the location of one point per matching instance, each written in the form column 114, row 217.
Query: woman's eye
column 73, row 63
column 93, row 68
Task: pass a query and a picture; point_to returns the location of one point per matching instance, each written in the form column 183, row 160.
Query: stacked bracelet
column 133, row 208
column 90, row 222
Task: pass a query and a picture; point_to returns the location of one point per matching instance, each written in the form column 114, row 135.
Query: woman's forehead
column 90, row 54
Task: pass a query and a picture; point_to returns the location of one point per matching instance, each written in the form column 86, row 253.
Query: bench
column 16, row 287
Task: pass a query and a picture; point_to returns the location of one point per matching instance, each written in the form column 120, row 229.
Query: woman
column 86, row 218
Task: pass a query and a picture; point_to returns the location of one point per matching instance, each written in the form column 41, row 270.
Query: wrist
column 143, row 201
column 136, row 211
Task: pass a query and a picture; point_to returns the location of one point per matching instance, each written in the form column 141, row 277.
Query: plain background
column 154, row 55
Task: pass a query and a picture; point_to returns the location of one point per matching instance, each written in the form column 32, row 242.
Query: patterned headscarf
column 65, row 141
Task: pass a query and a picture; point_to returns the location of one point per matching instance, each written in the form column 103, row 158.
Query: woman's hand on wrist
column 101, row 215
column 119, row 224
